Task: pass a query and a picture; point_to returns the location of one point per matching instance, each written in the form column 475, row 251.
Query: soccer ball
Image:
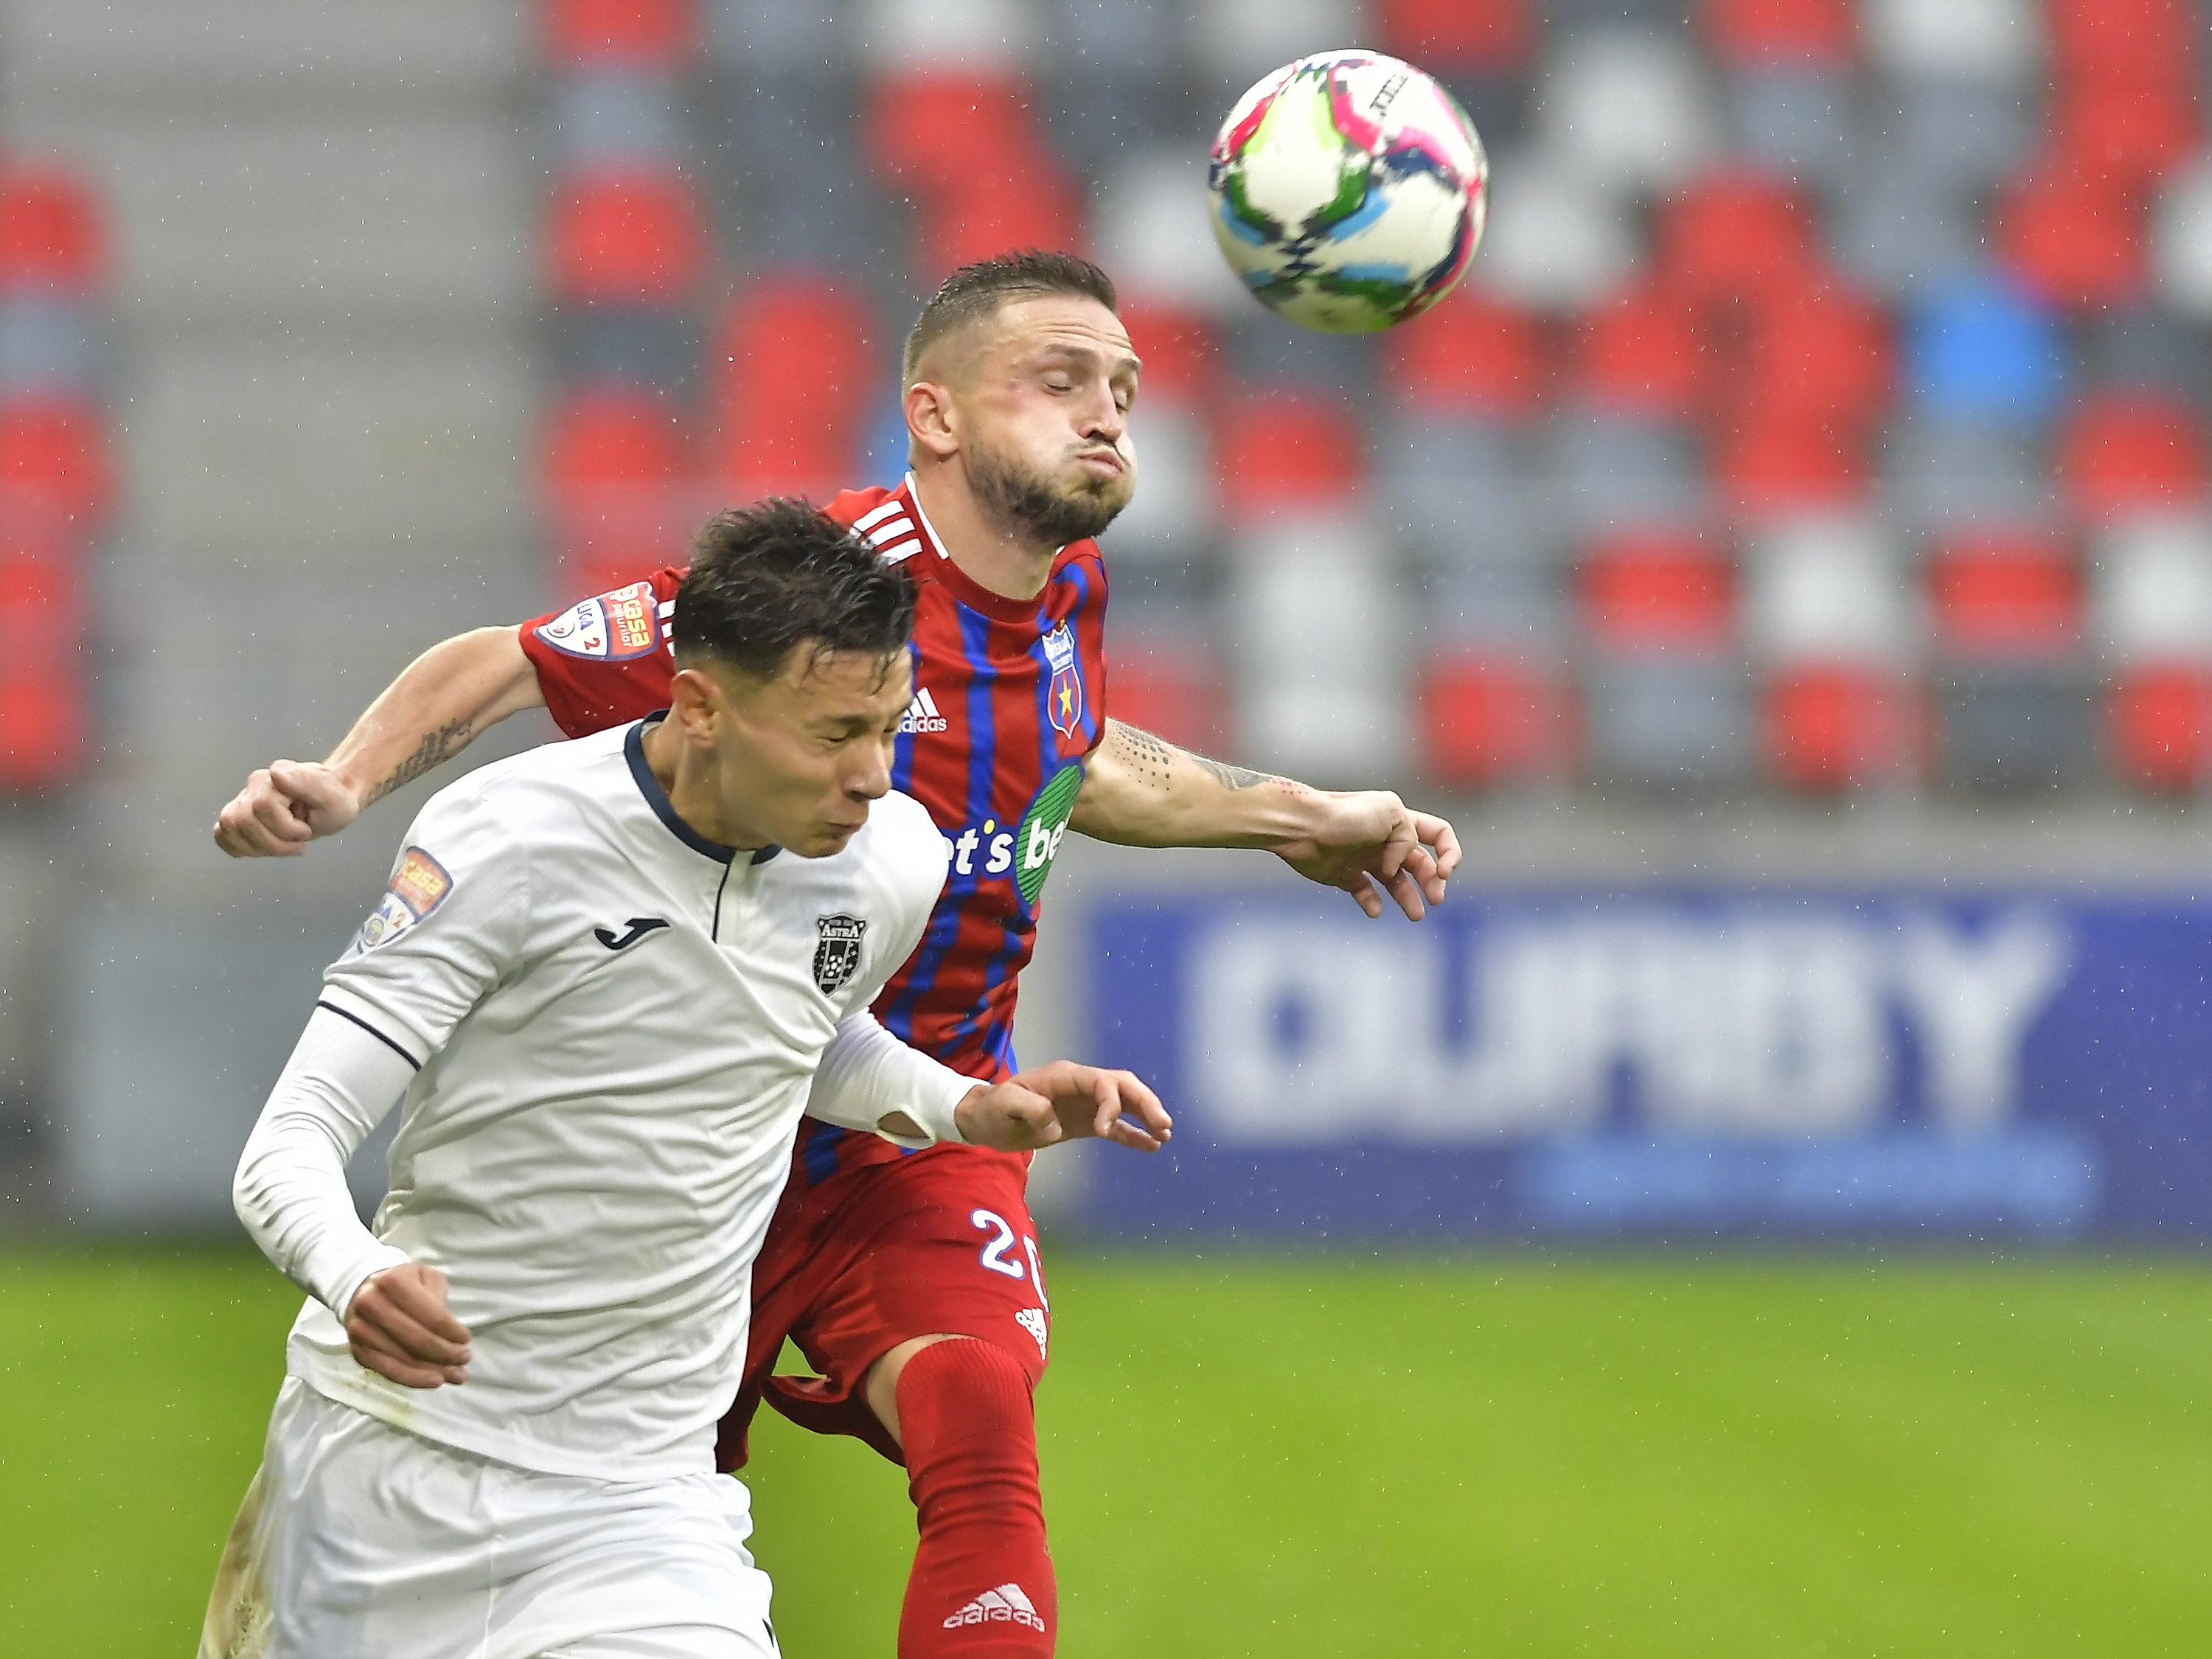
column 1349, row 191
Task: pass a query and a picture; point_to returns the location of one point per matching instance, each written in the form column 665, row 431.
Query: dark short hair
column 975, row 291
column 768, row 579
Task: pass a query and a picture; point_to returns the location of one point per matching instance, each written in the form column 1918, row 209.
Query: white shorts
column 357, row 1541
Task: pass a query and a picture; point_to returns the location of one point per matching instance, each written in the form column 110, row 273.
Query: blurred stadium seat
column 52, row 238
column 1153, row 233
column 1645, row 353
column 769, row 38
column 2013, row 696
column 1318, row 614
column 971, row 34
column 2122, row 453
column 56, row 476
column 2075, row 237
column 1779, row 465
column 935, row 128
column 625, row 236
column 43, row 678
column 990, row 213
column 1557, row 237
column 1969, row 42
column 795, row 376
column 633, row 35
column 1628, row 108
column 1736, row 234
column 1982, row 349
column 1162, row 680
column 1492, row 717
column 1233, row 43
column 1474, row 355
column 1277, row 454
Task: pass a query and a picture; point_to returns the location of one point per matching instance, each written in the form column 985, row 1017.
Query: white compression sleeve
column 866, row 1074
column 290, row 1189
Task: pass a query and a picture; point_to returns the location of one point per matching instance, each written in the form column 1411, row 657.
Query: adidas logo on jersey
column 1032, row 1321
column 922, row 714
column 1006, row 1605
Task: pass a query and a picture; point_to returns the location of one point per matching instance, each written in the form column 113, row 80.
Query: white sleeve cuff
column 866, row 1074
column 290, row 1190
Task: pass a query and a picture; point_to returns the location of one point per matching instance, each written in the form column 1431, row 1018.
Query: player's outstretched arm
column 1142, row 791
column 1063, row 1101
column 457, row 689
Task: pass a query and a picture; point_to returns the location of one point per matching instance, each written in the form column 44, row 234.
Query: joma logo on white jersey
column 922, row 714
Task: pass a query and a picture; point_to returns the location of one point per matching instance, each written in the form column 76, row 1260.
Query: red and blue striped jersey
column 1008, row 703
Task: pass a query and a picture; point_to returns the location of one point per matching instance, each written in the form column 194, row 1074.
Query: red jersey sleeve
column 607, row 661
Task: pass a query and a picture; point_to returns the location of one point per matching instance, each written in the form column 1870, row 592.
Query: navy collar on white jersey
column 665, row 810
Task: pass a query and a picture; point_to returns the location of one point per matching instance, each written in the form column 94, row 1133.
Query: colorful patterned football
column 1349, row 191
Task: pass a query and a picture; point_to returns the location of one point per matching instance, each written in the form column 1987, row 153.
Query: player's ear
column 694, row 700
column 931, row 421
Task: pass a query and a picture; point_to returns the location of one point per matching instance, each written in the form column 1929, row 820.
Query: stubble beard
column 1026, row 503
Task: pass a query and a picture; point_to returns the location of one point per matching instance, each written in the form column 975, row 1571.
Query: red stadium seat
column 2074, row 238
column 1282, row 452
column 598, row 555
column 625, row 236
column 42, row 672
column 610, row 440
column 650, row 34
column 1759, row 34
column 2126, row 134
column 1834, row 725
column 52, row 236
column 1658, row 591
column 613, row 486
column 1820, row 356
column 936, row 130
column 1181, row 365
column 56, row 476
column 1490, row 718
column 1473, row 354
column 1736, row 234
column 1446, row 35
column 2124, row 453
column 1645, row 353
column 2159, row 723
column 795, row 378
column 2140, row 41
column 1768, row 465
column 998, row 213
column 1168, row 686
column 2005, row 597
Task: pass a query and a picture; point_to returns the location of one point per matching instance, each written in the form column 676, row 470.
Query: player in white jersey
column 607, row 976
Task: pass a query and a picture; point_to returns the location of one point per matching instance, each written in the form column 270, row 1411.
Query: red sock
column 982, row 1585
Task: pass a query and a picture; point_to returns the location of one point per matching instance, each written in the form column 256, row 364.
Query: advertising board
column 1678, row 1063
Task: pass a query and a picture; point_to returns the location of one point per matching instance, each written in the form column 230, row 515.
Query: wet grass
column 1330, row 1458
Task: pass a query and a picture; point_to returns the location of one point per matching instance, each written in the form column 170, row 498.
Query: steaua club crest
column 836, row 952
column 1064, row 696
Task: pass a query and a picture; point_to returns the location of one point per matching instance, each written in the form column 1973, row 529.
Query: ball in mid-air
column 1349, row 191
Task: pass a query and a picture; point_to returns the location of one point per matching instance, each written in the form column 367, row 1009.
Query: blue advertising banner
column 1678, row 1063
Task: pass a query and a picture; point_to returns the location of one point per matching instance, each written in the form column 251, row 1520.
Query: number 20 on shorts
column 999, row 1254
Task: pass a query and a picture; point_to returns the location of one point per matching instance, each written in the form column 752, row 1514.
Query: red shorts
column 938, row 1241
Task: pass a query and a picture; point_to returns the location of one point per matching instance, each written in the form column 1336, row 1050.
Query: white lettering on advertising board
column 1744, row 1023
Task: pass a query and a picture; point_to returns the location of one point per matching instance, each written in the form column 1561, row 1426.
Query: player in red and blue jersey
column 912, row 1282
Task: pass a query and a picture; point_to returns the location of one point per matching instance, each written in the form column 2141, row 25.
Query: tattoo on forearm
column 1148, row 757
column 434, row 750
column 1152, row 759
column 1233, row 777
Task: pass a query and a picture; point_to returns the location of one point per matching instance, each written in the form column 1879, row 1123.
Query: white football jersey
column 617, row 1023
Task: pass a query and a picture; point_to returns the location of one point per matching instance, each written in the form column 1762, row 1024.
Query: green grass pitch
column 1330, row 1457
